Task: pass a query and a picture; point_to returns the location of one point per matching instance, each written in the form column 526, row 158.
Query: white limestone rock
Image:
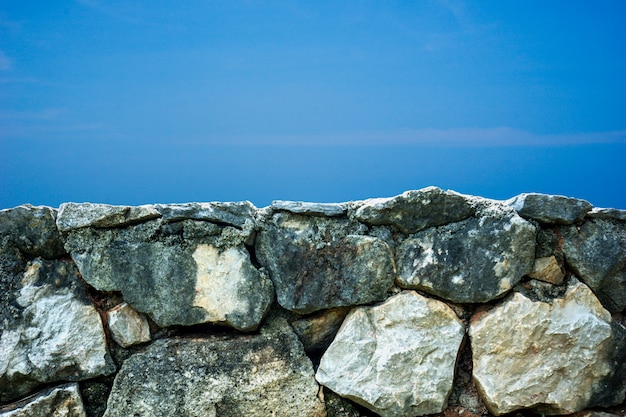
column 57, row 336
column 128, row 327
column 396, row 358
column 61, row 401
column 555, row 358
column 77, row 215
column 303, row 207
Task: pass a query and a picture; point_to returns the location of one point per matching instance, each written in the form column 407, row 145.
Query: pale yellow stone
column 547, row 269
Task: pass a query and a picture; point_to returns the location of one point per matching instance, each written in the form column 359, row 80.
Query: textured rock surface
column 557, row 358
column 62, row 401
column 32, row 230
column 416, row 210
column 262, row 375
column 547, row 269
column 546, row 208
column 474, row 260
column 317, row 331
column 77, row 215
column 300, row 207
column 128, row 327
column 318, row 263
column 54, row 333
column 608, row 214
column 597, row 253
column 181, row 272
column 396, row 358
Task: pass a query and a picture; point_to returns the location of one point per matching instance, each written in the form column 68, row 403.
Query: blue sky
column 152, row 101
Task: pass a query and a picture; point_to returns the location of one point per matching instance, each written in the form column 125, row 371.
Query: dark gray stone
column 32, row 230
column 181, row 273
column 546, row 208
column 317, row 331
column 608, row 214
column 471, row 261
column 261, row 375
column 318, row 263
column 53, row 333
column 60, row 401
column 597, row 254
column 416, row 210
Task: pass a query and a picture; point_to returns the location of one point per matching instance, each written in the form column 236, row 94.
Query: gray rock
column 396, row 358
column 300, row 207
column 55, row 334
column 546, row 208
column 77, row 215
column 32, row 230
column 471, row 261
column 318, row 262
column 180, row 273
column 554, row 358
column 597, row 254
column 238, row 214
column 416, row 210
column 61, row 401
column 261, row 375
column 608, row 214
column 127, row 326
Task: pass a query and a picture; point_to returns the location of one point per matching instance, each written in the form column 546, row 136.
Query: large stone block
column 261, row 375
column 471, row 261
column 320, row 262
column 555, row 358
column 554, row 209
column 396, row 358
column 179, row 271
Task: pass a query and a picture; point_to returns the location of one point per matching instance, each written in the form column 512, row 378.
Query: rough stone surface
column 54, row 334
column 317, row 331
column 62, row 401
column 608, row 214
column 239, row 214
column 397, row 358
column 77, row 215
column 180, row 273
column 262, row 375
column 547, row 269
column 546, row 208
column 32, row 230
column 318, row 263
column 300, row 207
column 597, row 254
column 128, row 327
column 556, row 358
column 474, row 260
column 416, row 210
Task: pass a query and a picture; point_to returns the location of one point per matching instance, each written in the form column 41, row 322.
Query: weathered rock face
column 32, row 230
column 546, row 208
column 416, row 210
column 179, row 270
column 128, row 327
column 317, row 331
column 62, row 401
column 262, row 375
column 318, row 263
column 597, row 253
column 471, row 261
column 547, row 269
column 54, row 334
column 396, row 358
column 556, row 358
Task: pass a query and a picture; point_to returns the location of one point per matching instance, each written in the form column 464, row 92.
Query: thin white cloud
column 498, row 136
column 5, row 63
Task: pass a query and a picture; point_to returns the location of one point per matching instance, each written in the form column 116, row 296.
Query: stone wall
column 430, row 302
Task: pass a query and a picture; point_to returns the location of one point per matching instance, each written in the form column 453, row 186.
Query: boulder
column 78, row 215
column 179, row 272
column 472, row 261
column 54, row 333
column 32, row 230
column 596, row 252
column 608, row 214
column 416, row 210
column 554, row 209
column 554, row 358
column 256, row 375
column 396, row 358
column 127, row 326
column 319, row 262
column 59, row 401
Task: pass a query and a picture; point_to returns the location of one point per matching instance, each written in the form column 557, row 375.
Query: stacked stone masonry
column 427, row 303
